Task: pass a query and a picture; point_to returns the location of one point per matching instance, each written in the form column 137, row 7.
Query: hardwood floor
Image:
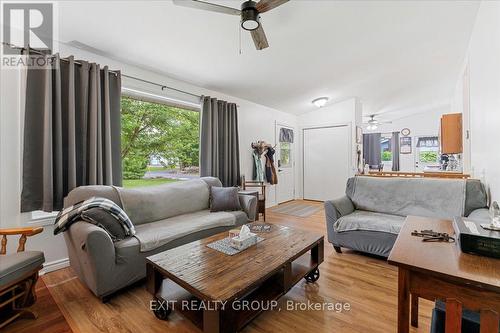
column 367, row 284
column 50, row 318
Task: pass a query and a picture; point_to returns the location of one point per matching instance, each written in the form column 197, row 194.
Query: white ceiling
column 395, row 56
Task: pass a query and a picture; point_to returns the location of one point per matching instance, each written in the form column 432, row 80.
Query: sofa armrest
column 335, row 209
column 91, row 252
column 480, row 214
column 249, row 205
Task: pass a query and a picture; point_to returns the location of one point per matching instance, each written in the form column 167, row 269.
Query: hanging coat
column 258, row 172
column 271, row 176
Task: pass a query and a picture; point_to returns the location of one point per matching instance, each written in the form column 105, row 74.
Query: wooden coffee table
column 217, row 286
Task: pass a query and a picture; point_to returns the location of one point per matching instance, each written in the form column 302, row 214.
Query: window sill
column 41, row 219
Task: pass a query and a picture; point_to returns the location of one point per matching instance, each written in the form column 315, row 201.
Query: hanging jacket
column 271, row 176
column 258, row 172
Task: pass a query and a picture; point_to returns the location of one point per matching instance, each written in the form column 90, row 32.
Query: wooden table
column 196, row 273
column 441, row 271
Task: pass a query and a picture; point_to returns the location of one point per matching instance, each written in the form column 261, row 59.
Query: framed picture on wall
column 359, row 135
column 405, row 145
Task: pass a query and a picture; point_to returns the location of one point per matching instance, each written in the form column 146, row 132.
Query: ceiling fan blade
column 197, row 4
column 259, row 38
column 266, row 5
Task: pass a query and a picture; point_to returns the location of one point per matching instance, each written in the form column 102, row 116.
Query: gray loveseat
column 369, row 217
column 164, row 216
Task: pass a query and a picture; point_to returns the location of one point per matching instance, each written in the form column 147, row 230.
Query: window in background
column 427, row 154
column 160, row 143
column 386, row 151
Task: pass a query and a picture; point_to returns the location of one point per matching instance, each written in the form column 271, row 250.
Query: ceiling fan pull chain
column 239, row 31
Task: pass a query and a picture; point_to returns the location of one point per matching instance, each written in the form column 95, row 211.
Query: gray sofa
column 369, row 217
column 164, row 216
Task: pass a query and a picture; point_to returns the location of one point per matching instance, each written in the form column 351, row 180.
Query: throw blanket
column 73, row 213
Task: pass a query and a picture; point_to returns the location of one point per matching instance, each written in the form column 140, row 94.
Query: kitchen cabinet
column 451, row 133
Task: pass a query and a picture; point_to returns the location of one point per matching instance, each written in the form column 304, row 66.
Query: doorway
column 327, row 161
column 285, row 189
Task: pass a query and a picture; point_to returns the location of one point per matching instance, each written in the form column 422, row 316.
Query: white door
column 285, row 163
column 327, row 159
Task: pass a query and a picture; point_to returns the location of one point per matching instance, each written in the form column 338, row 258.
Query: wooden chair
column 18, row 276
column 261, row 196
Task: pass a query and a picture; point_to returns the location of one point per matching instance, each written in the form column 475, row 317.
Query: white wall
column 421, row 124
column 345, row 112
column 256, row 122
column 483, row 73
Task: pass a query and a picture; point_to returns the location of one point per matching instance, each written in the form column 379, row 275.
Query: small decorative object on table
column 261, row 227
column 234, row 233
column 495, row 218
column 476, row 237
column 244, row 240
column 433, row 236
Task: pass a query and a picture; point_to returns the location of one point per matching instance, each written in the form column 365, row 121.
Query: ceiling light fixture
column 250, row 18
column 320, row 101
column 371, row 127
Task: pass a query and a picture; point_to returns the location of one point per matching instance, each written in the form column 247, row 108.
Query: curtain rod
column 162, row 86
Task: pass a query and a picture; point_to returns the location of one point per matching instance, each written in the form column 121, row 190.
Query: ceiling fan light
column 371, row 127
column 250, row 25
column 250, row 18
column 320, row 101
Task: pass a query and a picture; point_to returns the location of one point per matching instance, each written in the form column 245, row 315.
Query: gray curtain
column 71, row 131
column 372, row 150
column 395, row 151
column 219, row 144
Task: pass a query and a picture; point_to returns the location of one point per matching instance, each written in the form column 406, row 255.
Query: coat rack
column 260, row 147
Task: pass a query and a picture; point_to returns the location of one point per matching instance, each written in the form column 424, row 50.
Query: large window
column 160, row 143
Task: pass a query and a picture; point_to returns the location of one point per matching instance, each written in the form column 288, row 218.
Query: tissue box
column 243, row 243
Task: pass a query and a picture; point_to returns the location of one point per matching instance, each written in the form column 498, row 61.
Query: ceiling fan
column 373, row 123
column 249, row 13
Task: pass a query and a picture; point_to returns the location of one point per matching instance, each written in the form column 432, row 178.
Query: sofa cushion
column 437, row 198
column 156, row 234
column 369, row 221
column 475, row 196
column 82, row 193
column 224, row 199
column 212, row 181
column 15, row 265
column 150, row 204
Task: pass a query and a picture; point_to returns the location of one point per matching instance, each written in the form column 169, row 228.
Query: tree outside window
column 160, row 143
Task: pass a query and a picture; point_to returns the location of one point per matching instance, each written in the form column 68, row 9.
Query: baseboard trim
column 54, row 265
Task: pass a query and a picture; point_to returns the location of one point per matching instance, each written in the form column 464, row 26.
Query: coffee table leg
column 154, row 279
column 414, row 310
column 211, row 321
column 403, row 300
column 318, row 252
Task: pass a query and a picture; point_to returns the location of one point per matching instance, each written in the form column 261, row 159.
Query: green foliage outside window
column 386, row 156
column 156, row 130
column 428, row 156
